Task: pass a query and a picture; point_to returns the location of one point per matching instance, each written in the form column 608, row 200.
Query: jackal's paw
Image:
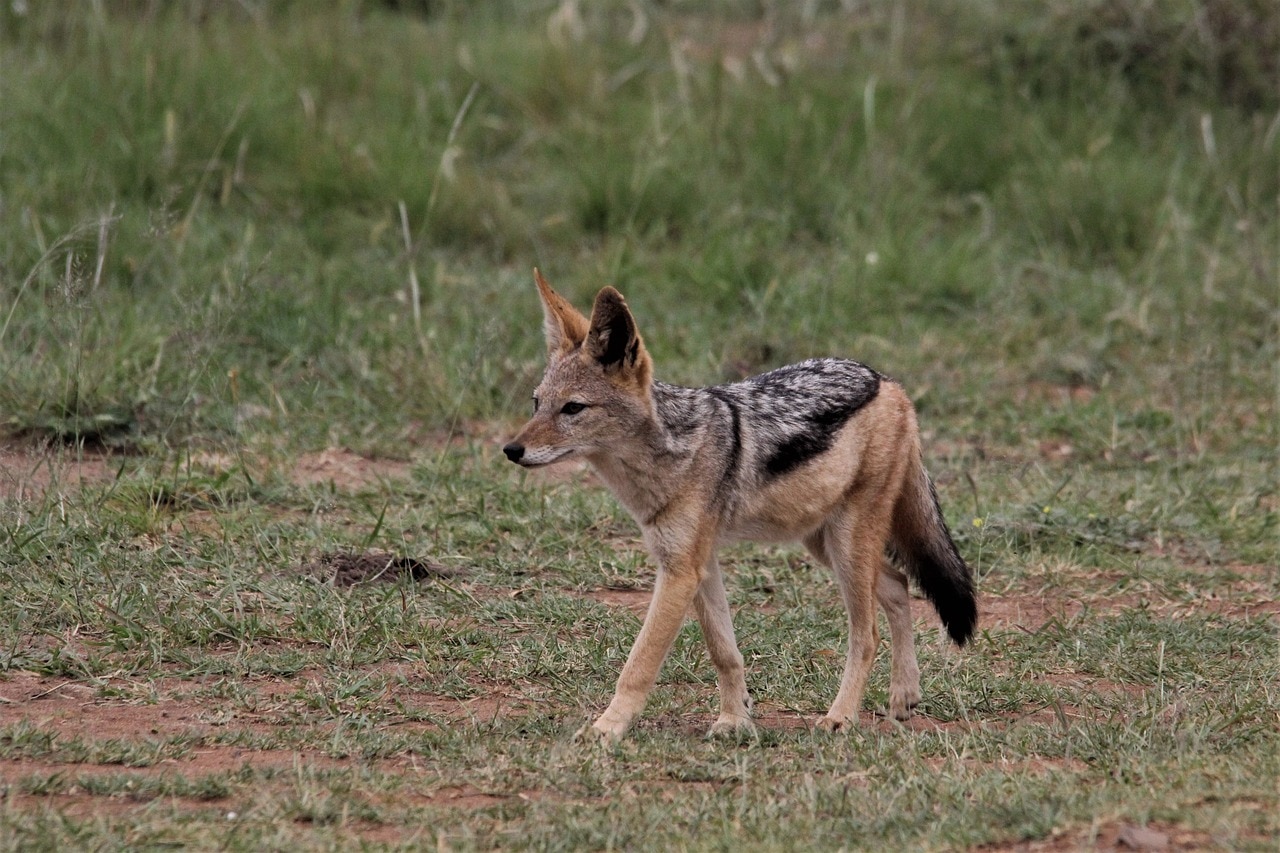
column 731, row 727
column 832, row 724
column 902, row 701
column 599, row 733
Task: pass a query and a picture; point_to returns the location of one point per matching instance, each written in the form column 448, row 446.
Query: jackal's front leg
column 679, row 575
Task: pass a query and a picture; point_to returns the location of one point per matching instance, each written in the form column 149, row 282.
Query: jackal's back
column 755, row 434
column 784, row 417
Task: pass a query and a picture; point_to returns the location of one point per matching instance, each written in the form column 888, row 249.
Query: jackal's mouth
column 536, row 458
column 538, row 461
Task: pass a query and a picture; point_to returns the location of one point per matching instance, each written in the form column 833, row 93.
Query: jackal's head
column 595, row 395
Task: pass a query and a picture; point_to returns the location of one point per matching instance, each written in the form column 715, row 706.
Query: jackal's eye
column 572, row 408
column 535, row 404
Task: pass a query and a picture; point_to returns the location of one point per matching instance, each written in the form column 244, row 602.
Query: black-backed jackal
column 826, row 452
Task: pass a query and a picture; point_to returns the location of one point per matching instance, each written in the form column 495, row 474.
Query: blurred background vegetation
column 318, row 220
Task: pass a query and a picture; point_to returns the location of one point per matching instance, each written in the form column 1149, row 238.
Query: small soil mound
column 349, row 569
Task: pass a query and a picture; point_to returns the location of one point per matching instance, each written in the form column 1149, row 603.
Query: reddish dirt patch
column 1029, row 612
column 769, row 717
column 635, row 600
column 77, row 805
column 1238, row 591
column 73, row 709
column 1118, row 837
column 179, row 713
column 1250, row 593
column 346, row 470
column 29, row 473
column 165, row 706
column 337, row 467
column 462, row 797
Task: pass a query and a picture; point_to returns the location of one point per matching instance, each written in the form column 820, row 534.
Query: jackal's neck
column 646, row 472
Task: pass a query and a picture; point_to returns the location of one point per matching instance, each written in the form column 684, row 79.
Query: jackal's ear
column 614, row 341
column 564, row 325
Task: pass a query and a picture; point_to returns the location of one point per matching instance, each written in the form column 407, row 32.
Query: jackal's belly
column 784, row 514
column 793, row 504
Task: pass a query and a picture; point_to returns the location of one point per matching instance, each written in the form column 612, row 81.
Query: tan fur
column 846, row 505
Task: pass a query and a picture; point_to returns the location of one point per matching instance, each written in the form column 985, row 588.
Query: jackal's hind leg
column 712, row 607
column 904, row 672
column 853, row 549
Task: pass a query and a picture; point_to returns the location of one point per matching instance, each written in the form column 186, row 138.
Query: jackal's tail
column 922, row 544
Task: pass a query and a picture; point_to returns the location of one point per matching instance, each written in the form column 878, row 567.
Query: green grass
column 233, row 236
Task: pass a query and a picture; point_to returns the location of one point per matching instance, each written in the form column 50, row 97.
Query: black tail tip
column 961, row 620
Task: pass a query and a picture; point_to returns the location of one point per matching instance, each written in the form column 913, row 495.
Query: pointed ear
column 564, row 325
column 614, row 342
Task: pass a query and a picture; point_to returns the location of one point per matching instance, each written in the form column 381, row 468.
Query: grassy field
column 265, row 297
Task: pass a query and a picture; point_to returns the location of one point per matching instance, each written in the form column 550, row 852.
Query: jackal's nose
column 514, row 451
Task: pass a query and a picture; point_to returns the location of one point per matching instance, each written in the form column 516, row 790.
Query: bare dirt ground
column 176, row 709
column 28, row 472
